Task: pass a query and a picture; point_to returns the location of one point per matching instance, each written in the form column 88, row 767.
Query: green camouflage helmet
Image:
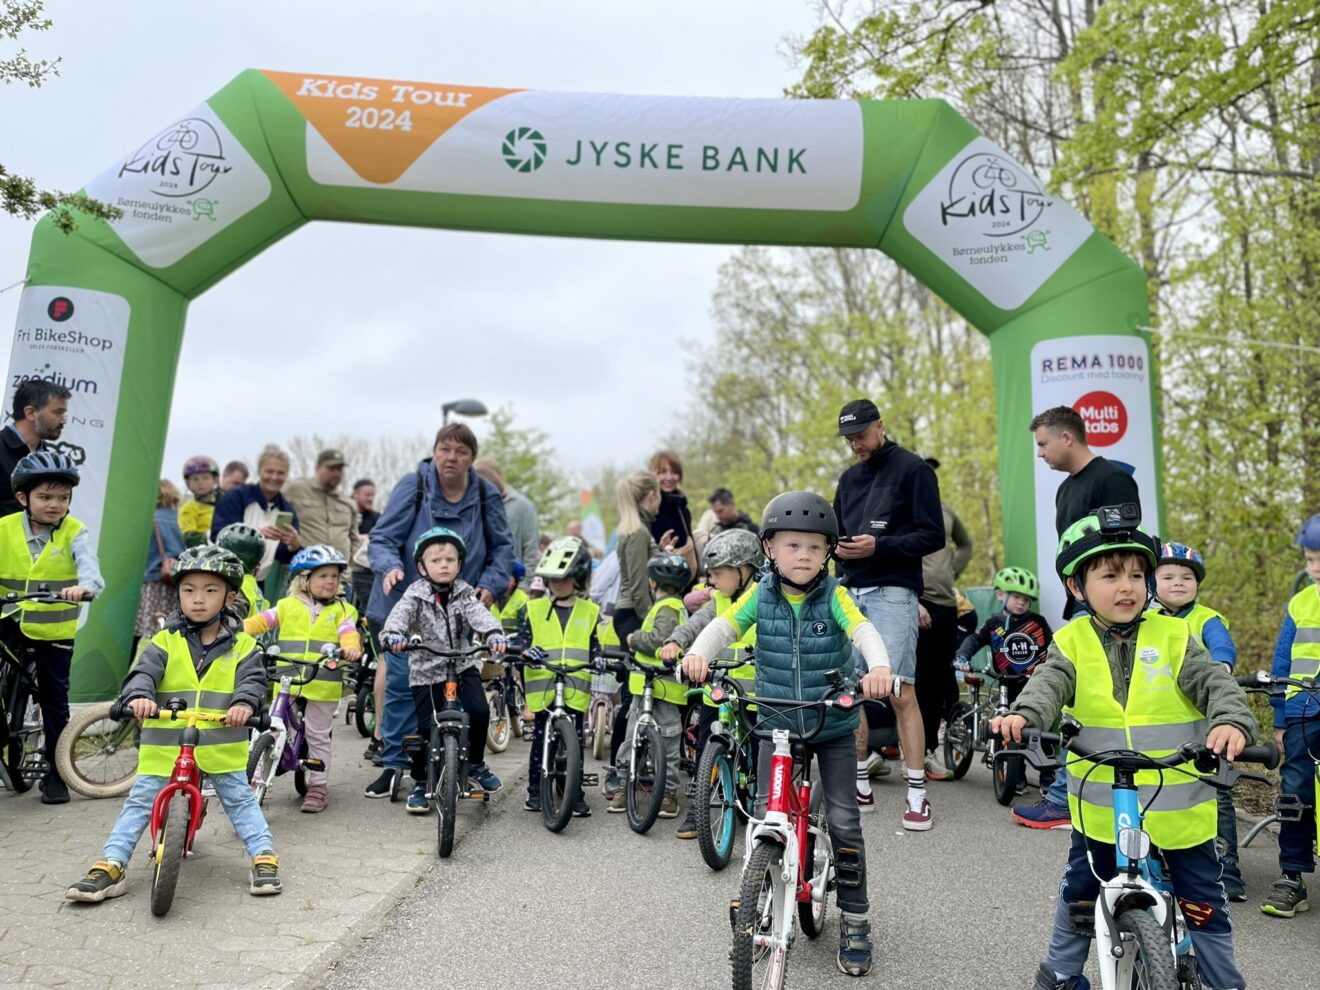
column 210, row 559
column 244, row 542
column 1086, row 538
column 734, row 548
column 1019, row 580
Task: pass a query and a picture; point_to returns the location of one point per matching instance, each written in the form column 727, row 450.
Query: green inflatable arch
column 103, row 310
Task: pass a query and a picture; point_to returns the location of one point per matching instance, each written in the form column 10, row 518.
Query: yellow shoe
column 103, row 880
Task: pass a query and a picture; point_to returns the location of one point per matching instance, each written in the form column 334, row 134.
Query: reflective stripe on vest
column 1180, row 811
column 1305, row 611
column 735, row 651
column 220, row 748
column 510, row 615
column 666, row 688
column 573, row 643
column 301, row 639
column 54, row 567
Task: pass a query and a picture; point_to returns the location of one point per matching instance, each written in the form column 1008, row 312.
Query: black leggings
column 430, row 698
column 626, row 622
column 935, row 679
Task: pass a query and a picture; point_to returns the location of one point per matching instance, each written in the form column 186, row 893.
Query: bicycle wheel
column 97, row 756
column 16, row 747
column 515, row 705
column 364, row 710
column 500, row 730
column 446, row 794
column 262, row 759
column 819, row 864
column 562, row 776
column 714, row 804
column 1147, row 962
column 760, row 912
column 687, row 752
column 601, row 720
column 1006, row 771
column 169, row 853
column 646, row 779
column 959, row 746
column 300, row 775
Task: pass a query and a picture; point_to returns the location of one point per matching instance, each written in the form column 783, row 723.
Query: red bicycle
column 789, row 866
column 179, row 808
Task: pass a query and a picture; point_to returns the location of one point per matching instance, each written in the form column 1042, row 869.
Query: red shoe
column 865, row 802
column 1044, row 815
column 917, row 819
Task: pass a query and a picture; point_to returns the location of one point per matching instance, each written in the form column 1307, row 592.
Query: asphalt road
column 968, row 904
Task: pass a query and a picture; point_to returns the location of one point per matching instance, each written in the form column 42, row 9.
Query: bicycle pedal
column 591, row 780
column 1289, row 808
column 314, row 765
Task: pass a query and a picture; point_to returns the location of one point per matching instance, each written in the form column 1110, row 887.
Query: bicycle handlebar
column 1265, row 683
column 44, row 596
column 842, row 694
column 120, row 712
column 1189, row 752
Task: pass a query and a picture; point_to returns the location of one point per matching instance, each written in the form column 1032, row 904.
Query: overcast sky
column 366, row 330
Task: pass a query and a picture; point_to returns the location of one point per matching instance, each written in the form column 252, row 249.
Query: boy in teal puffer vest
column 806, row 627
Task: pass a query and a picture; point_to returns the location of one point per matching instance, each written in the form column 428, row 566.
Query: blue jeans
column 399, row 715
column 1058, row 789
column 1298, row 772
column 893, row 612
column 235, row 796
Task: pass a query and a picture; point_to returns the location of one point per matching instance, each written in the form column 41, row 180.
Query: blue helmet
column 1309, row 537
column 1181, row 553
column 440, row 534
column 519, row 570
column 320, row 555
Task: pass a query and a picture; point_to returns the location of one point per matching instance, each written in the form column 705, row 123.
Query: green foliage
column 529, row 464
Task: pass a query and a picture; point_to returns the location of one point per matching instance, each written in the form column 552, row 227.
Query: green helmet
column 440, row 534
column 244, row 542
column 1017, row 580
column 566, row 557
column 1088, row 537
column 733, row 548
column 210, row 559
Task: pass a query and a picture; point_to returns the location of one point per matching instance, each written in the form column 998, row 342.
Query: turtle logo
column 524, row 149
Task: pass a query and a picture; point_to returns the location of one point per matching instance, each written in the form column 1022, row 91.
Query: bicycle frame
column 186, row 777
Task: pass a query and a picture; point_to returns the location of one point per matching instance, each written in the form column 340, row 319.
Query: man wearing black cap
column 888, row 505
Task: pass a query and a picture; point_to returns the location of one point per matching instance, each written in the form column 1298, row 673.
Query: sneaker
column 854, row 958
column 877, row 766
column 382, row 786
column 53, row 790
column 917, row 819
column 582, row 809
column 1046, row 980
column 1287, row 897
column 417, row 803
column 265, row 875
column 315, row 800
column 1021, row 786
column 484, row 777
column 1043, row 814
column 688, row 830
column 669, row 806
column 865, row 802
column 618, row 803
column 613, row 784
column 935, row 768
column 373, row 751
column 1235, row 890
column 105, row 879
column 533, row 802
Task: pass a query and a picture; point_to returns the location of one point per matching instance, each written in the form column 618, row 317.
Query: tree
column 19, row 195
column 384, row 460
column 529, row 463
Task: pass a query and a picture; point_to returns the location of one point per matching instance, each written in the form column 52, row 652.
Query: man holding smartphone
column 888, row 505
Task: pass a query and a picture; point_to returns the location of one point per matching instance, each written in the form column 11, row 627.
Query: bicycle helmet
column 1086, row 538
column 566, row 557
column 1017, row 580
column 210, row 559
column 244, row 542
column 1307, row 539
column 43, row 465
column 439, row 534
column 669, row 570
column 1181, row 553
column 317, row 555
column 734, row 548
column 200, row 465
column 804, row 512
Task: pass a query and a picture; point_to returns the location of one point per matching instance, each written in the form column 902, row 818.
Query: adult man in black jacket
column 40, row 409
column 888, row 505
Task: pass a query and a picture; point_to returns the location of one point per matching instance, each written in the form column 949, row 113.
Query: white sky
column 320, row 333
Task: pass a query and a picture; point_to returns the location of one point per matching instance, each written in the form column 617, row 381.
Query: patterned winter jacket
column 442, row 625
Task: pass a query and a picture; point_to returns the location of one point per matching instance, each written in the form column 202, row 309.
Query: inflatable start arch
column 103, row 310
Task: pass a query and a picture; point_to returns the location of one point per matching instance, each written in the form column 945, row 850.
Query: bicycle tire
column 959, row 746
column 446, row 795
column 300, row 775
column 1006, row 772
column 811, row 915
column 169, row 854
column 646, row 779
column 16, row 747
column 364, row 711
column 98, row 757
column 715, row 804
column 516, row 706
column 562, row 779
column 261, row 760
column 1148, row 963
column 499, row 731
column 687, row 751
column 759, row 896
column 600, row 720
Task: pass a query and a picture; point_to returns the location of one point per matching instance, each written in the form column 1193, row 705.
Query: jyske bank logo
column 524, row 149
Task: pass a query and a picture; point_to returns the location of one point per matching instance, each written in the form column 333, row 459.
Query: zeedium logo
column 46, row 373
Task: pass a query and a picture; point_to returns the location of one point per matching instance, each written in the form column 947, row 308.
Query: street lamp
column 464, row 407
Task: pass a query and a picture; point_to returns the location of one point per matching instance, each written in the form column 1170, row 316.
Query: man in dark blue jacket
column 454, row 496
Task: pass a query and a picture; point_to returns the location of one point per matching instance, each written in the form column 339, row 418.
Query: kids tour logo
column 524, row 149
column 60, row 309
column 183, row 160
column 993, row 196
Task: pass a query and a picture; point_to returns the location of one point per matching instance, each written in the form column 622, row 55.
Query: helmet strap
column 805, row 588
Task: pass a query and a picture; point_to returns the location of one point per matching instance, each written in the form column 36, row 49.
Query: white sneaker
column 935, row 768
column 877, row 766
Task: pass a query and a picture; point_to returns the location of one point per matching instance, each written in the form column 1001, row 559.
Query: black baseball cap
column 856, row 416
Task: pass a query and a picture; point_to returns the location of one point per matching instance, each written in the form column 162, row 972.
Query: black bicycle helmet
column 669, row 570
column 803, row 512
column 43, row 465
column 244, row 542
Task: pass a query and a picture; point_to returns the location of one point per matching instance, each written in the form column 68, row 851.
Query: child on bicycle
column 668, row 574
column 210, row 663
column 1121, row 670
column 202, row 476
column 561, row 626
column 732, row 561
column 247, row 544
column 511, row 605
column 806, row 628
column 1178, row 576
column 1017, row 636
column 315, row 615
column 44, row 545
column 1297, row 731
column 444, row 611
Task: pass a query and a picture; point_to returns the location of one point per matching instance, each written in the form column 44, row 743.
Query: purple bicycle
column 283, row 747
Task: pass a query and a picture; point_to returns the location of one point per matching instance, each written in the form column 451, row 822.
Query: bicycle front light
column 1134, row 843
column 717, row 694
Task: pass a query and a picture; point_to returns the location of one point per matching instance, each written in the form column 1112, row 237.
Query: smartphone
column 283, row 520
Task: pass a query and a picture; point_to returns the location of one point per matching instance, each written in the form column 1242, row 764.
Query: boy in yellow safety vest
column 44, row 546
column 560, row 626
column 212, row 665
column 249, row 546
column 1121, row 670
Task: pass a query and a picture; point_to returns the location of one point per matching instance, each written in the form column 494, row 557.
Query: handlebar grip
column 1249, row 680
column 1266, row 754
column 119, row 710
column 259, row 721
